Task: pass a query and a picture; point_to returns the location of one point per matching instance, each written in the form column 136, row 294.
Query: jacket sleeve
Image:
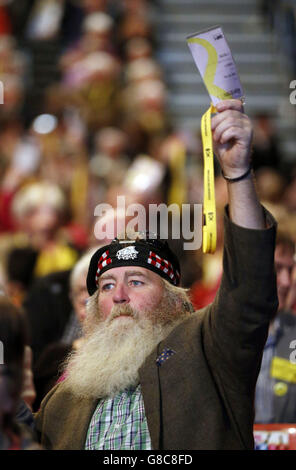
column 236, row 326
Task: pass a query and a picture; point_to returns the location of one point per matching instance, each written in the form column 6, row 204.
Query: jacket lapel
column 151, row 390
column 151, row 395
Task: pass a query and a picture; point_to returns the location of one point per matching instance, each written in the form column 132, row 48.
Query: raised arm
column 237, row 324
column 232, row 138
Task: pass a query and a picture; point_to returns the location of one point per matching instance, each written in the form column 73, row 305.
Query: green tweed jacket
column 202, row 396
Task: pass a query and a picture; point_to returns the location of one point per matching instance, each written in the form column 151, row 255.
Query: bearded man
column 151, row 374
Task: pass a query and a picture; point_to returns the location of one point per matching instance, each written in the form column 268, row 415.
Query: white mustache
column 118, row 311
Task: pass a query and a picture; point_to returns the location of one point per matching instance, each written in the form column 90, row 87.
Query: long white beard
column 110, row 358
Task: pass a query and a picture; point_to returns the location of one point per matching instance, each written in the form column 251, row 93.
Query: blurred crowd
column 104, row 131
column 281, row 17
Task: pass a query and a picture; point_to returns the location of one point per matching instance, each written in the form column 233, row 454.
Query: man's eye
column 106, row 287
column 135, row 282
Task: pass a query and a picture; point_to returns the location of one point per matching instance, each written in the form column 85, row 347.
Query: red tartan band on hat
column 155, row 260
column 103, row 261
column 164, row 266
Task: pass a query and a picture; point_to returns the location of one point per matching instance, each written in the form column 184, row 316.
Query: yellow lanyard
column 209, row 204
column 209, row 76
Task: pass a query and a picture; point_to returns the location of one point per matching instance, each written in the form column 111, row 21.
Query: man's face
column 129, row 286
column 133, row 310
column 283, row 264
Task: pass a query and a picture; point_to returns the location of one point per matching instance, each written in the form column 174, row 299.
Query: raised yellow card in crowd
column 216, row 65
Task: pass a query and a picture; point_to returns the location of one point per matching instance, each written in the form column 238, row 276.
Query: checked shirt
column 119, row 423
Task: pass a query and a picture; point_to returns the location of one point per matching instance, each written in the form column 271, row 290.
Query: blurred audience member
column 91, row 6
column 48, row 366
column 20, row 267
column 48, row 308
column 265, row 146
column 41, row 244
column 135, row 21
column 13, row 74
column 289, row 197
column 97, row 33
column 276, row 391
column 137, row 48
column 291, row 296
column 108, row 164
column 93, row 85
column 20, row 159
column 45, row 20
column 282, row 18
column 270, row 184
column 14, row 434
column 79, row 296
column 40, row 211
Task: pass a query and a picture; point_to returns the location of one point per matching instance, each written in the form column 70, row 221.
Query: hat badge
column 129, row 252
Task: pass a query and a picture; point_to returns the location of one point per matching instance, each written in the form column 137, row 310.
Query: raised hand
column 232, row 136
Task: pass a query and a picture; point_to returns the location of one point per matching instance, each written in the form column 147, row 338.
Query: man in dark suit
column 151, row 374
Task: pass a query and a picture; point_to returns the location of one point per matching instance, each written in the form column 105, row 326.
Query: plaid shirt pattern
column 119, row 423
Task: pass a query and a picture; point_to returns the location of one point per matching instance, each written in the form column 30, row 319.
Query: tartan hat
column 152, row 254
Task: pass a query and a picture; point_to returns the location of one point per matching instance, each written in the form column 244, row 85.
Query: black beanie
column 152, row 254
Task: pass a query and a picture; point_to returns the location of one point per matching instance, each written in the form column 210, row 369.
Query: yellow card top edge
column 192, row 35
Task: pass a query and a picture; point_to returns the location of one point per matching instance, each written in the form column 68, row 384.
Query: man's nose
column 120, row 294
